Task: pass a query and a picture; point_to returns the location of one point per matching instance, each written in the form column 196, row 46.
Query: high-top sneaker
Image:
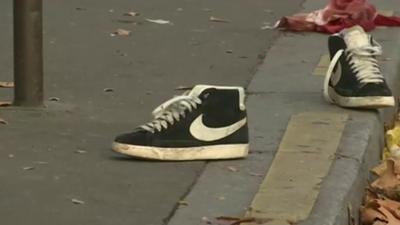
column 209, row 122
column 354, row 78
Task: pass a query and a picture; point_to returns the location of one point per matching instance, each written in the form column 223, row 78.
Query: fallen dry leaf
column 108, row 90
column 388, row 180
column 183, row 203
column 159, row 21
column 232, row 169
column 6, row 84
column 80, row 151
column 392, row 206
column 77, row 201
column 5, row 103
column 370, row 213
column 121, row 32
column 380, row 169
column 28, row 168
column 370, row 196
column 206, row 220
column 131, row 13
column 255, row 174
column 393, row 140
column 390, row 218
column 378, row 222
column 54, row 99
column 2, row 121
column 219, row 20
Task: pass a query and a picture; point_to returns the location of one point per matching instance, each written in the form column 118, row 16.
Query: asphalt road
column 81, row 60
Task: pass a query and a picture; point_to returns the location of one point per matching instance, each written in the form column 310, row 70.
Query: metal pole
column 28, row 53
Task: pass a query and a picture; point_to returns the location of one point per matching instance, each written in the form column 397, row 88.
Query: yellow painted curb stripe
column 304, row 157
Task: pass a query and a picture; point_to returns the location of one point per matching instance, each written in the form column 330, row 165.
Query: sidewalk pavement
column 62, row 151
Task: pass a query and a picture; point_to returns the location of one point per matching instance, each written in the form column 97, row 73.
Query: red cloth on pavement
column 338, row 15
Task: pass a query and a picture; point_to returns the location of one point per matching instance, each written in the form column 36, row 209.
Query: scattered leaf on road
column 77, row 201
column 159, row 21
column 220, row 20
column 5, row 103
column 232, row 169
column 108, row 90
column 206, row 220
column 2, row 121
column 6, row 84
column 183, row 203
column 255, row 174
column 121, row 32
column 54, row 99
column 11, row 156
column 28, row 168
column 131, row 13
column 80, row 151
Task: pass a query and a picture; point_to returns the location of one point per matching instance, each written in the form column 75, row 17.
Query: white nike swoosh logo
column 204, row 133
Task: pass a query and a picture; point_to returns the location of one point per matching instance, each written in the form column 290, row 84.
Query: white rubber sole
column 210, row 152
column 361, row 102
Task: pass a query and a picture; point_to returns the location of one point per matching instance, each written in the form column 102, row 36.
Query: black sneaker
column 209, row 122
column 354, row 78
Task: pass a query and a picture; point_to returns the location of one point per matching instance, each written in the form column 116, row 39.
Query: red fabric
column 337, row 15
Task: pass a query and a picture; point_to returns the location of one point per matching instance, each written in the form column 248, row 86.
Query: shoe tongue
column 355, row 37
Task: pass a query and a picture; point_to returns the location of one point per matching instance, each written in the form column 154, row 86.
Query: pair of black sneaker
column 210, row 122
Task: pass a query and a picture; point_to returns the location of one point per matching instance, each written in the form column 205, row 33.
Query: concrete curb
column 283, row 86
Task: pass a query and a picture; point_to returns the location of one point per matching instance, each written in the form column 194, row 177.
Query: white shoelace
column 363, row 63
column 171, row 111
